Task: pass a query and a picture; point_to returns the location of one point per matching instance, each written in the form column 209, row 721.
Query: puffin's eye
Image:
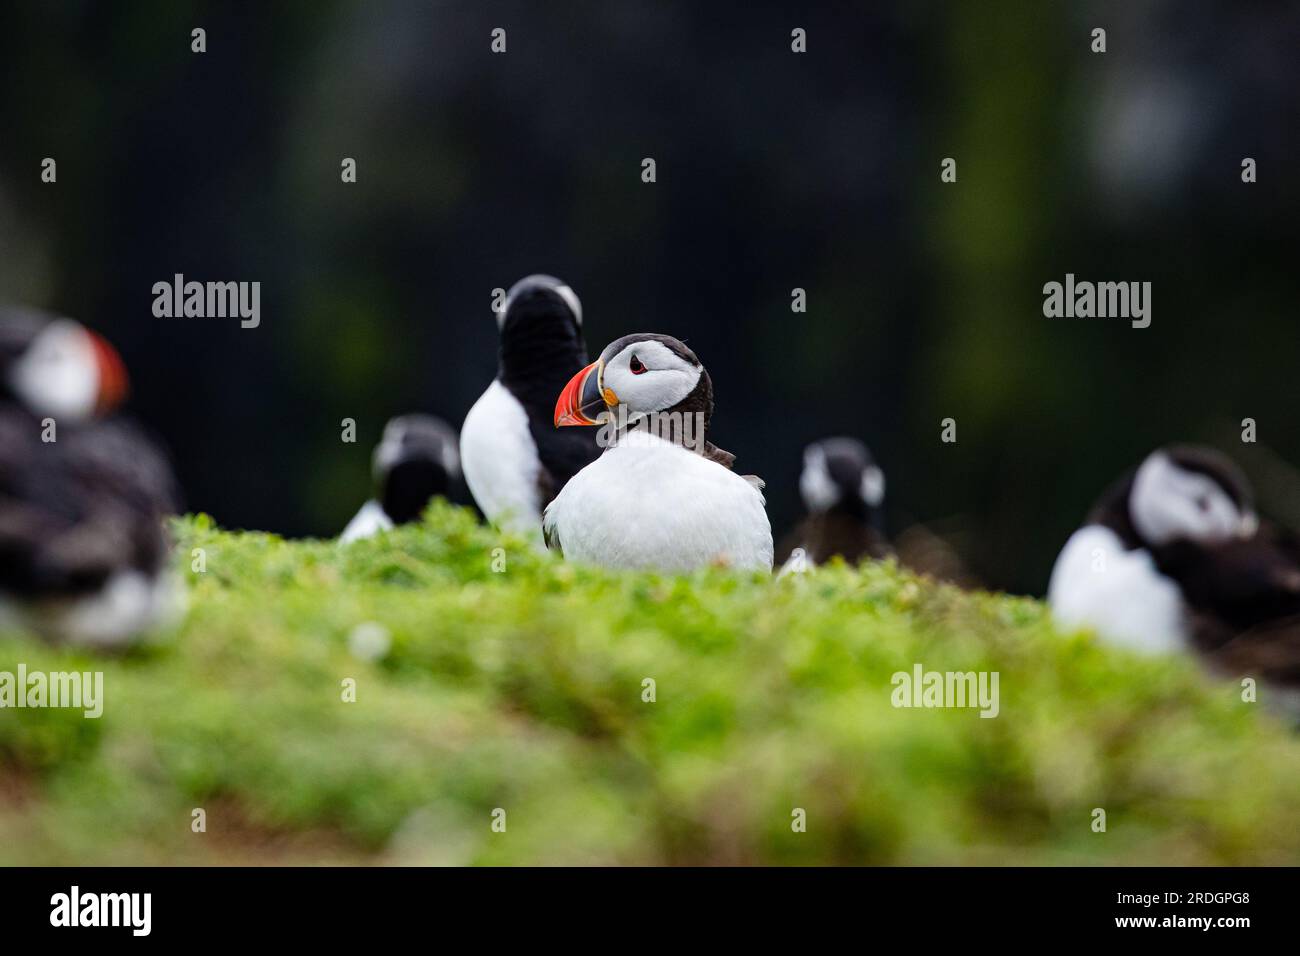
column 636, row 366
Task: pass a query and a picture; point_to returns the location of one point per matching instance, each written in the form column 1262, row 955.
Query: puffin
column 416, row 460
column 57, row 368
column 1174, row 557
column 844, row 490
column 661, row 496
column 84, row 554
column 514, row 459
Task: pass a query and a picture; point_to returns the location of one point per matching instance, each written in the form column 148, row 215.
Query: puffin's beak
column 582, row 399
column 112, row 374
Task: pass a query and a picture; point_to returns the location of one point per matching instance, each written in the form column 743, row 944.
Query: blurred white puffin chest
column 650, row 504
column 1097, row 583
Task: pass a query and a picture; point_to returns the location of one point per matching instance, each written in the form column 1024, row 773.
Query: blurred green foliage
column 523, row 690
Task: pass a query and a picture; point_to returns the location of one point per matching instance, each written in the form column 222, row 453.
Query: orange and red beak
column 583, row 399
column 113, row 383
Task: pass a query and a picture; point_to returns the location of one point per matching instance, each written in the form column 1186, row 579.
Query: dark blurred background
column 775, row 171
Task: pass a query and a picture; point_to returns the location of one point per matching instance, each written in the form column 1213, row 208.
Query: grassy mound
column 522, row 689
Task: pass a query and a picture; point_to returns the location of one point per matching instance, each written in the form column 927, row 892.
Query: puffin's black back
column 541, row 349
column 1241, row 583
column 75, row 510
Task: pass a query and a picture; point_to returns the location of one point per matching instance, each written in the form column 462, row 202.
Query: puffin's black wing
column 75, row 510
column 551, row 536
column 1268, row 653
column 541, row 349
column 118, row 457
column 562, row 452
column 718, row 455
column 1241, row 584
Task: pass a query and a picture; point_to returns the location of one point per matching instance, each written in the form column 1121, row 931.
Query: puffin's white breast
column 369, row 521
column 499, row 459
column 647, row 503
column 1120, row 594
column 129, row 604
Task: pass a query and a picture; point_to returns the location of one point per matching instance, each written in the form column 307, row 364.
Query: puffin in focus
column 515, row 460
column 414, row 462
column 83, row 548
column 660, row 496
column 843, row 489
column 1174, row 557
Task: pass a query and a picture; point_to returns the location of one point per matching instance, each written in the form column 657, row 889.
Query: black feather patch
column 75, row 510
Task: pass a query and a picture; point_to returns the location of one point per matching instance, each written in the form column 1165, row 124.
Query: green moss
column 523, row 690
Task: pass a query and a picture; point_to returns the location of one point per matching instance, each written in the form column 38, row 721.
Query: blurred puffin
column 661, row 495
column 1174, row 556
column 515, row 460
column 415, row 461
column 843, row 489
column 56, row 367
column 83, row 550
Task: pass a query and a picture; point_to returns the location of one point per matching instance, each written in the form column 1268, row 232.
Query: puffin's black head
column 54, row 366
column 541, row 330
column 839, row 474
column 416, row 460
column 1182, row 493
column 646, row 372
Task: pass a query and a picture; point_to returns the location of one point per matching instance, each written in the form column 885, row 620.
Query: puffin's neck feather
column 697, row 406
column 853, row 507
column 700, row 401
column 1112, row 512
column 409, row 486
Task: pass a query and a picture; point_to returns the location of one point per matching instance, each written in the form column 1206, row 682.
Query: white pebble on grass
column 370, row 641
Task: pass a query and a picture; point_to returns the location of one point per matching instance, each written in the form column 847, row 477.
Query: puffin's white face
column 398, row 443
column 67, row 372
column 820, row 491
column 873, row 486
column 389, row 450
column 648, row 376
column 1169, row 503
